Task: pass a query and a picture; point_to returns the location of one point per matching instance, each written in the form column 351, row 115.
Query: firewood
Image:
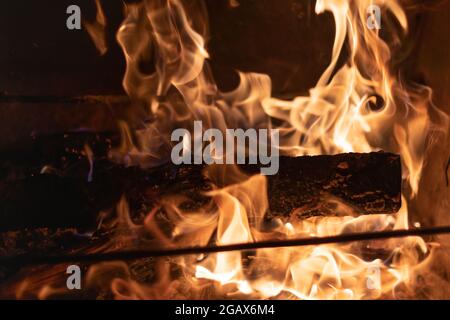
column 64, row 196
column 314, row 185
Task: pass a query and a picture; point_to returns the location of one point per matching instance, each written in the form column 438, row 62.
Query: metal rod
column 24, row 260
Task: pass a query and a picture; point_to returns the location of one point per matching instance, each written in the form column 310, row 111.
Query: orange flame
column 97, row 28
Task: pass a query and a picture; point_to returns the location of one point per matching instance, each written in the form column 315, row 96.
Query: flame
column 321, row 272
column 97, row 29
column 335, row 117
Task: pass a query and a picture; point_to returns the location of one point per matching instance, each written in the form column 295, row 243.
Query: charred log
column 315, row 185
column 68, row 196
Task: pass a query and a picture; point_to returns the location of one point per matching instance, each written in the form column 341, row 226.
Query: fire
column 96, row 29
column 335, row 117
column 321, row 272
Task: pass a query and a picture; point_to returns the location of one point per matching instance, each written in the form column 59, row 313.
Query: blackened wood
column 37, row 115
column 44, row 182
column 65, row 197
column 44, row 200
column 313, row 185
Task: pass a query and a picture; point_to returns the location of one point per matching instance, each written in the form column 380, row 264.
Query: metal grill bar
column 25, row 260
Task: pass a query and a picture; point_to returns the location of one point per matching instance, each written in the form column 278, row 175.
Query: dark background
column 41, row 56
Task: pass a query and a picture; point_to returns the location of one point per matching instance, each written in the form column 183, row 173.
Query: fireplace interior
column 86, row 176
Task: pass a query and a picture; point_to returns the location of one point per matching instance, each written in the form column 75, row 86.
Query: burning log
column 371, row 183
column 65, row 196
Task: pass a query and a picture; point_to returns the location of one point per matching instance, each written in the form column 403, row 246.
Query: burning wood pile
column 205, row 193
